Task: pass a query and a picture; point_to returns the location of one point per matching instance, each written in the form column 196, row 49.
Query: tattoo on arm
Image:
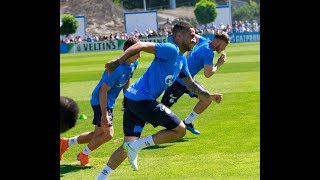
column 194, row 87
column 114, row 64
column 199, row 84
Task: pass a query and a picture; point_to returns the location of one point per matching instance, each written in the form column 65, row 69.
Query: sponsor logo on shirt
column 168, row 80
column 132, row 90
column 172, row 99
column 122, row 81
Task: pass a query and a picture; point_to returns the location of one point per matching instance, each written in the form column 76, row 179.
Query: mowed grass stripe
column 234, row 52
column 96, row 66
column 239, row 67
column 238, row 59
column 83, row 75
column 80, row 76
column 90, row 75
column 231, row 82
column 89, row 66
column 88, row 55
column 97, row 58
column 224, row 83
column 245, row 46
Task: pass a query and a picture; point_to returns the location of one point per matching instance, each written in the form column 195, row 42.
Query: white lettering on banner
column 257, row 37
column 95, row 46
column 245, row 38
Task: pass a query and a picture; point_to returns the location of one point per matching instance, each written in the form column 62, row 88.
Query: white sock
column 105, row 173
column 193, row 115
column 142, row 143
column 73, row 141
column 86, row 150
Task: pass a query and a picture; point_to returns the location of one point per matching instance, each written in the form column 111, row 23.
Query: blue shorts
column 97, row 115
column 174, row 92
column 137, row 113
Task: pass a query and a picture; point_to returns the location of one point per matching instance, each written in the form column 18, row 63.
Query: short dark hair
column 182, row 27
column 69, row 112
column 129, row 42
column 223, row 36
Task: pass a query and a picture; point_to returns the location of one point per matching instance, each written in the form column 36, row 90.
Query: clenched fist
column 216, row 97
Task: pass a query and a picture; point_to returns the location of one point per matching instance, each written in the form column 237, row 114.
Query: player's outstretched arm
column 148, row 47
column 202, row 93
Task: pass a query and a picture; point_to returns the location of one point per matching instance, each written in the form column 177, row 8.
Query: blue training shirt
column 201, row 55
column 161, row 74
column 116, row 80
column 202, row 40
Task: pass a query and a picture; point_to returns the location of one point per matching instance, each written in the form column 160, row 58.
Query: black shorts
column 137, row 113
column 97, row 115
column 174, row 92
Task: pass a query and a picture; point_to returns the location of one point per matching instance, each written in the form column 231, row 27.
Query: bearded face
column 189, row 40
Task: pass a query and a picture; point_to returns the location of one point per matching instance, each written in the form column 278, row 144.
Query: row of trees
column 251, row 9
column 205, row 12
column 133, row 4
column 246, row 12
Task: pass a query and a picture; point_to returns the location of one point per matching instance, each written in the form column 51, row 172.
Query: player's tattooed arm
column 148, row 47
column 195, row 88
column 112, row 65
column 199, row 90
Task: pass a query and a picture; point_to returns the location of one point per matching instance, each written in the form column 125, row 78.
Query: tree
column 205, row 12
column 69, row 25
column 247, row 12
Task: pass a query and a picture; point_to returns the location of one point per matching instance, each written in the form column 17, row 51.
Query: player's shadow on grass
column 156, row 147
column 183, row 140
column 66, row 168
column 164, row 146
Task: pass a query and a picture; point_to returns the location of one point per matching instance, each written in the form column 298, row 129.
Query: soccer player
column 201, row 57
column 69, row 112
column 140, row 104
column 102, row 101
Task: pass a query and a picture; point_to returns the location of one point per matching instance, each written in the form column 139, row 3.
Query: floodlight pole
column 144, row 5
column 229, row 2
column 74, row 50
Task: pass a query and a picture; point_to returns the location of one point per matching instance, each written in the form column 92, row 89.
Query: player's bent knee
column 181, row 131
column 182, row 134
column 107, row 136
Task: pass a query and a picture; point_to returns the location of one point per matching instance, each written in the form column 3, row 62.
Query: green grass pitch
column 228, row 147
